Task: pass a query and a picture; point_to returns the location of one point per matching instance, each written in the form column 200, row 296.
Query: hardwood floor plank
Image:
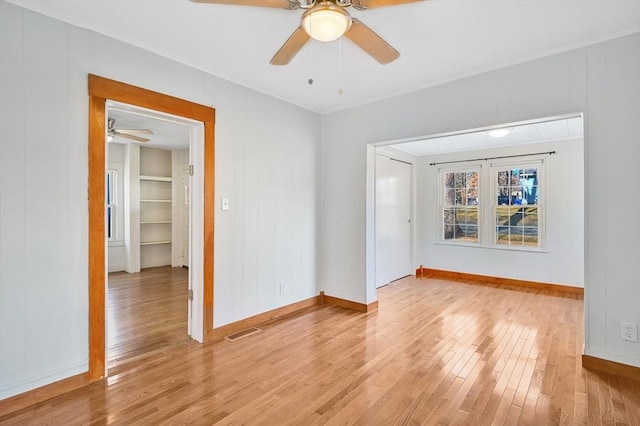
column 436, row 352
column 146, row 312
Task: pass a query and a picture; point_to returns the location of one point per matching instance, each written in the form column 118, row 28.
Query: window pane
column 472, row 180
column 530, row 236
column 108, row 194
column 520, row 185
column 461, row 224
column 515, row 239
column 109, row 222
column 449, row 197
column 517, row 225
column 468, row 215
column 449, row 216
column 110, row 198
column 530, row 217
column 461, row 190
column 449, row 180
column 502, row 235
column 471, row 233
column 502, row 214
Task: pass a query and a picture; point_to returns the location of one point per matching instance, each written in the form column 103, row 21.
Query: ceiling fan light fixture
column 326, row 22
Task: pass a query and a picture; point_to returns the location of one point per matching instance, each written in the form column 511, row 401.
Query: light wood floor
column 436, row 352
column 146, row 312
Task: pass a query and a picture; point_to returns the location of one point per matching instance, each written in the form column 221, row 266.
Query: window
column 111, row 184
column 517, row 205
column 505, row 199
column 460, row 205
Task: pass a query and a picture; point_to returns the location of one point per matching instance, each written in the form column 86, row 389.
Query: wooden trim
column 209, row 248
column 485, row 279
column 263, row 318
column 122, row 92
column 18, row 402
column 348, row 304
column 611, row 367
column 100, row 90
column 97, row 255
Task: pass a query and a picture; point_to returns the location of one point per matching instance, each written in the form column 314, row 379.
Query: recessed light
column 498, row 133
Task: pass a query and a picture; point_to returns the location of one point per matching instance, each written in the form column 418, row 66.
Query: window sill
column 493, row 247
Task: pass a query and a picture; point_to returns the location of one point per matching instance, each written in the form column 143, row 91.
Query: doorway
column 147, row 288
column 392, row 219
column 101, row 90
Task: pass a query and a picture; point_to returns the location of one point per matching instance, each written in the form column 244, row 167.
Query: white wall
column 267, row 162
column 601, row 80
column 116, row 250
column 561, row 260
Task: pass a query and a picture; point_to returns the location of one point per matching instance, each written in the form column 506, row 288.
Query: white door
column 393, row 220
column 185, row 215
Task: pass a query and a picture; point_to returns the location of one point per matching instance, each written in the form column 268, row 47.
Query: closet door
column 393, row 220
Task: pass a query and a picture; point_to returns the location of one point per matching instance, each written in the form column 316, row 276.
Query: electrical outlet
column 282, row 290
column 629, row 331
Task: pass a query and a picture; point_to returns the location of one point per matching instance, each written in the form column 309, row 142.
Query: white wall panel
column 550, row 84
column 623, row 153
column 595, row 187
column 343, row 212
column 519, row 91
column 47, row 201
column 601, row 80
column 13, row 246
column 43, row 188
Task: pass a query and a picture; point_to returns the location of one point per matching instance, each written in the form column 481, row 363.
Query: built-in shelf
column 153, row 243
column 156, row 178
column 156, row 209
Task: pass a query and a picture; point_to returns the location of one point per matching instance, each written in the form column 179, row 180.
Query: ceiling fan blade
column 371, row 42
column 370, row 4
column 290, row 47
column 133, row 131
column 132, row 137
column 280, row 4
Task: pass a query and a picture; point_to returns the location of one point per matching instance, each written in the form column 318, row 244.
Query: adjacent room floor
column 146, row 312
column 435, row 352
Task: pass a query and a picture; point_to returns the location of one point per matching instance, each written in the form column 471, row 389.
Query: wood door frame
column 100, row 90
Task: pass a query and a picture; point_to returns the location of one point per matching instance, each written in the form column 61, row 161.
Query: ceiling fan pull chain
column 310, row 81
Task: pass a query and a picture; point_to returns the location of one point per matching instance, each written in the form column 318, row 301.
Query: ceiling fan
column 112, row 132
column 327, row 20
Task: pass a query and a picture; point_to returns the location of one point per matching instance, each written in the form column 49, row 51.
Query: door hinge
column 190, row 295
column 190, row 169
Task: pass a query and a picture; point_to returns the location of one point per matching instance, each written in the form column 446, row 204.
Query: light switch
column 225, row 203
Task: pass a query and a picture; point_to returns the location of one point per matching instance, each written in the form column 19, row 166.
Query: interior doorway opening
column 102, row 90
column 522, row 180
column 147, row 231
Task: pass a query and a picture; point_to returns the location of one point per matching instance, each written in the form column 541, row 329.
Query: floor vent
column 242, row 334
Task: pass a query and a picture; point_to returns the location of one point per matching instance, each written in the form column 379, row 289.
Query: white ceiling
column 555, row 130
column 168, row 133
column 439, row 40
